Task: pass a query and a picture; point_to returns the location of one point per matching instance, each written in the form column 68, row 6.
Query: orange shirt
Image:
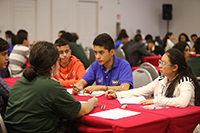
column 72, row 73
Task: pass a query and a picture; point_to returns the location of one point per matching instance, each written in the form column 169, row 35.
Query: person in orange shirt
column 70, row 69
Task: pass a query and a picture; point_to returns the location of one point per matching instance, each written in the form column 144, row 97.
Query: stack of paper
column 131, row 100
column 115, row 114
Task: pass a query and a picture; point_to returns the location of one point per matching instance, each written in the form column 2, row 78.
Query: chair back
column 141, row 77
column 151, row 69
column 2, row 126
column 120, row 53
column 90, row 54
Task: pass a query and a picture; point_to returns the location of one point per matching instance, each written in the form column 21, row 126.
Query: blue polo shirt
column 117, row 44
column 119, row 73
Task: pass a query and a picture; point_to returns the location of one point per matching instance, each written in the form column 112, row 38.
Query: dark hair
column 3, row 45
column 152, row 41
column 197, row 45
column 193, row 35
column 74, row 37
column 67, row 36
column 9, row 33
column 138, row 37
column 21, row 36
column 62, row 31
column 42, row 56
column 14, row 40
column 22, row 31
column 148, row 37
column 104, row 40
column 164, row 42
column 187, row 39
column 181, row 46
column 61, row 42
column 184, row 70
column 122, row 34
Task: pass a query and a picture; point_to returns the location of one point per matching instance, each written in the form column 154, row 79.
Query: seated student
column 36, row 101
column 184, row 38
column 9, row 35
column 193, row 38
column 184, row 48
column 122, row 39
column 77, row 50
column 70, row 69
column 153, row 48
column 4, row 88
column 19, row 54
column 168, row 41
column 194, row 62
column 109, row 72
column 60, row 33
column 135, row 51
column 178, row 86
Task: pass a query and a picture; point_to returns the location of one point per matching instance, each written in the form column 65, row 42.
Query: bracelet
column 91, row 103
column 106, row 87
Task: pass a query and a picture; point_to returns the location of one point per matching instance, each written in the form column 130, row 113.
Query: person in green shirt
column 195, row 61
column 36, row 100
column 77, row 50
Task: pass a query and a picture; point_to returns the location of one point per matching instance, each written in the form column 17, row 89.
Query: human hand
column 149, row 101
column 94, row 100
column 90, row 89
column 110, row 94
column 76, row 89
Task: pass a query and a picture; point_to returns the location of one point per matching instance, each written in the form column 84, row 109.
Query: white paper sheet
column 131, row 100
column 94, row 93
column 115, row 114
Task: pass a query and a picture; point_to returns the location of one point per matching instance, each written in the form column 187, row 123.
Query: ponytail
column 30, row 73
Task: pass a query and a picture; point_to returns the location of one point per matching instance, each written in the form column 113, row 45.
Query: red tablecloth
column 151, row 59
column 170, row 120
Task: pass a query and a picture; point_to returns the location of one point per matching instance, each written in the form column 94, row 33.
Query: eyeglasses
column 162, row 64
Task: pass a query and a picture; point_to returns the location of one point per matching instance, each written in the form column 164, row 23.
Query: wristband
column 106, row 87
column 91, row 103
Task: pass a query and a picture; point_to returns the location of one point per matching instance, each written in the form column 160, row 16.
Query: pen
column 104, row 107
column 101, row 106
column 76, row 87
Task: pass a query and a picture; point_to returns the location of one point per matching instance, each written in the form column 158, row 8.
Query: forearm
column 85, row 109
column 122, row 87
column 81, row 83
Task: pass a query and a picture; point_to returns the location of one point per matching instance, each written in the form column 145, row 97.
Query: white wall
column 55, row 15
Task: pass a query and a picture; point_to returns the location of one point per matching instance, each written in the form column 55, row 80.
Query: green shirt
column 77, row 50
column 194, row 64
column 35, row 106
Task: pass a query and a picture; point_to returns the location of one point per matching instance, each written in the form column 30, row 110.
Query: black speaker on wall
column 167, row 11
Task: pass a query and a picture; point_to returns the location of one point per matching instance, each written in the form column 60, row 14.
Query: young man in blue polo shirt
column 109, row 72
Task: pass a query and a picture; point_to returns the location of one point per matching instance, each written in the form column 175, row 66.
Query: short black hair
column 67, row 36
column 9, row 33
column 104, row 40
column 152, row 41
column 193, row 35
column 3, row 45
column 21, row 36
column 197, row 45
column 138, row 37
column 61, row 42
column 148, row 37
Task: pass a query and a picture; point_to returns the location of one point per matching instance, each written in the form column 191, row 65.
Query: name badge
column 115, row 82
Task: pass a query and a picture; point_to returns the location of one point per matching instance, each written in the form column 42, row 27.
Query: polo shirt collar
column 115, row 63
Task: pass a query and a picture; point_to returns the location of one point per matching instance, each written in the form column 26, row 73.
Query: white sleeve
column 183, row 100
column 142, row 91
